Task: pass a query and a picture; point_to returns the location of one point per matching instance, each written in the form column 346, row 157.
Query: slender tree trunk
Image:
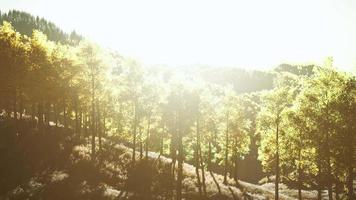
column 141, row 143
column 80, row 123
column 180, row 166
column 134, row 133
column 64, row 114
column 209, row 168
column 33, row 112
column 319, row 178
column 329, row 179
column 226, row 148
column 196, row 153
column 235, row 169
column 48, row 110
column 299, row 174
column 103, row 131
column 337, row 184
column 99, row 128
column 119, row 117
column 202, row 171
column 174, row 142
column 197, row 163
column 93, row 129
column 76, row 116
column 174, row 160
column 327, row 149
column 93, row 113
column 8, row 106
column 55, row 114
column 277, row 163
column 161, row 141
column 234, row 160
column 86, row 124
column 93, row 139
column 148, row 134
column 40, row 114
column 21, row 105
column 15, row 104
column 21, row 112
column 200, row 156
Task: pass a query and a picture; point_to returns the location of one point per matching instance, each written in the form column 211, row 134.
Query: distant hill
column 24, row 23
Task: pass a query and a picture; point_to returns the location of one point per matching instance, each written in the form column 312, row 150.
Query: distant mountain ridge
column 242, row 80
column 25, row 23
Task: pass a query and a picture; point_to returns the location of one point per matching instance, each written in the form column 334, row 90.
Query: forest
column 79, row 121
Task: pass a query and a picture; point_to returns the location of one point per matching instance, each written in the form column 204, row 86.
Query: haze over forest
column 245, row 34
column 181, row 100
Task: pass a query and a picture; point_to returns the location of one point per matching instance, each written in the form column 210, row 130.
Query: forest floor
column 245, row 190
column 56, row 165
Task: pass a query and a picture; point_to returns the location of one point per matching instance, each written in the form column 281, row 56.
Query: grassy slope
column 253, row 191
column 52, row 166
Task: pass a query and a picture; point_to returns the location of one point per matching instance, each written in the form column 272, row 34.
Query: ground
column 54, row 164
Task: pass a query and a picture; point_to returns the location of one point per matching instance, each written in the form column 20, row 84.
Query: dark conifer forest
column 81, row 121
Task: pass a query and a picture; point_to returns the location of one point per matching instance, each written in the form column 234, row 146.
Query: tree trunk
column 33, row 114
column 235, row 169
column 196, row 153
column 15, row 104
column 64, row 114
column 93, row 129
column 80, row 123
column 76, row 116
column 329, row 176
column 319, row 178
column 40, row 114
column 21, row 105
column 134, row 134
column 337, row 187
column 174, row 160
column 48, row 110
column 85, row 125
column 99, row 128
column 141, row 144
column 327, row 149
column 174, row 148
column 103, row 131
column 202, row 171
column 209, row 169
column 180, row 166
column 161, row 141
column 55, row 110
column 197, row 164
column 93, row 113
column 226, row 148
column 119, row 117
column 299, row 175
column 148, row 134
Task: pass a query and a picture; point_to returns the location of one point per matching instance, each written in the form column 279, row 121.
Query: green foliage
column 25, row 23
column 313, row 116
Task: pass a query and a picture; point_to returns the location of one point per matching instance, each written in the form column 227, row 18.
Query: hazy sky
column 246, row 33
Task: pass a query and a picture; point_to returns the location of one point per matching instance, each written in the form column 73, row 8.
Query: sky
column 254, row 34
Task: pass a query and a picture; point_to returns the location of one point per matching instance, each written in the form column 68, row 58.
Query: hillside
column 59, row 166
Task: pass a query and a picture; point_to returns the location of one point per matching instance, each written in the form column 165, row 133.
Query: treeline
column 25, row 23
column 304, row 125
